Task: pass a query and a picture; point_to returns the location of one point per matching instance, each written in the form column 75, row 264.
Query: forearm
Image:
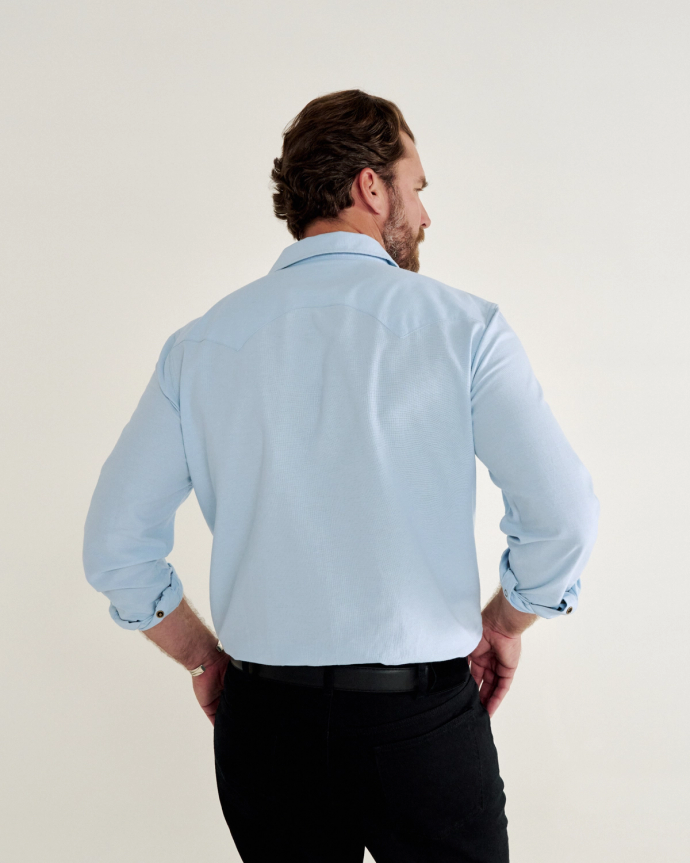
column 500, row 615
column 185, row 637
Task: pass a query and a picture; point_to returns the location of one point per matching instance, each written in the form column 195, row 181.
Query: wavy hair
column 326, row 146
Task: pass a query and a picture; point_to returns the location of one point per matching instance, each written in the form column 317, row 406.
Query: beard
column 399, row 240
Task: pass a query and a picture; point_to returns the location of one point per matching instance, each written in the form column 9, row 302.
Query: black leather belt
column 357, row 678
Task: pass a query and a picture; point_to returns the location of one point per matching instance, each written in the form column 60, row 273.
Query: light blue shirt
column 327, row 416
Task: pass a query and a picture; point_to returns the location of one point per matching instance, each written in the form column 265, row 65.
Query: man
column 328, row 416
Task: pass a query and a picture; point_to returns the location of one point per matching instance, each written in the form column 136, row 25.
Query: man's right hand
column 494, row 660
column 493, row 664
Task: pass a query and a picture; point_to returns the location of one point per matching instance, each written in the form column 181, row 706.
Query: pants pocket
column 244, row 754
column 432, row 783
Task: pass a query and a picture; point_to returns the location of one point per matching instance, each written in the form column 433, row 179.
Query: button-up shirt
column 328, row 416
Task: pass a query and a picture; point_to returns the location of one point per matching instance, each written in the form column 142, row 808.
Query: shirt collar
column 334, row 242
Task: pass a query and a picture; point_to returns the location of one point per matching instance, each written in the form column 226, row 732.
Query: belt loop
column 328, row 678
column 434, row 676
column 422, row 679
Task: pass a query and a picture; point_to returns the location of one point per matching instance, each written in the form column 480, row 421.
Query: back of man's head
column 326, row 146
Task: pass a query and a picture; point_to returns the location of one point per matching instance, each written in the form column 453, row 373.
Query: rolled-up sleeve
column 551, row 512
column 129, row 527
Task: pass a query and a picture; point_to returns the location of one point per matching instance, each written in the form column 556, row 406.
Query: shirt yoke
column 402, row 301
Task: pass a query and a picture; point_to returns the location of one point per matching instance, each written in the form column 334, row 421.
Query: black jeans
column 311, row 776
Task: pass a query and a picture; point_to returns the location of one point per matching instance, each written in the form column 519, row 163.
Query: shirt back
column 328, row 416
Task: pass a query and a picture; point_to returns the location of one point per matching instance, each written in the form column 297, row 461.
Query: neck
column 351, row 220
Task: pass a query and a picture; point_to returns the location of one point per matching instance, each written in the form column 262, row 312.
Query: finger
column 477, row 672
column 492, row 705
column 498, row 694
column 488, row 686
column 212, row 707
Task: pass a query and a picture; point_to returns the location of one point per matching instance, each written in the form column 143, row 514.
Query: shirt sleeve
column 130, row 522
column 551, row 511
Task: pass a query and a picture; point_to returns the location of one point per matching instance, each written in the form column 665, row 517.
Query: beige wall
column 137, row 143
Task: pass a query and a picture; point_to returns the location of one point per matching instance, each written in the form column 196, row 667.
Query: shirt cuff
column 166, row 602
column 567, row 605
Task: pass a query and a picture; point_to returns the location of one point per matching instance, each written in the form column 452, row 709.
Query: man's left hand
column 209, row 685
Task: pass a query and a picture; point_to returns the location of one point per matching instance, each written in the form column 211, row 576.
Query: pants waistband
column 355, row 678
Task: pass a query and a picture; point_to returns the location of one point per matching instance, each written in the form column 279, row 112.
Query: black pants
column 305, row 774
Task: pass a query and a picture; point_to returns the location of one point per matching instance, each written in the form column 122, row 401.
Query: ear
column 369, row 191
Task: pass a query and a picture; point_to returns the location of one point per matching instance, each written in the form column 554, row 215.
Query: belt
column 356, row 678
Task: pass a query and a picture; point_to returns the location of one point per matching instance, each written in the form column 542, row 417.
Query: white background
column 137, row 140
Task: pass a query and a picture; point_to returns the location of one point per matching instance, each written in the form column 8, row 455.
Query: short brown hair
column 326, row 146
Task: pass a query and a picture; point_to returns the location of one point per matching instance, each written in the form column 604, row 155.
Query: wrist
column 209, row 657
column 504, row 618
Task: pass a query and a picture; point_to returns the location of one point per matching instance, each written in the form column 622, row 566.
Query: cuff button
column 569, row 609
column 160, row 613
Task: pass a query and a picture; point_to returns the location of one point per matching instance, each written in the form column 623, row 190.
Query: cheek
column 414, row 203
column 413, row 209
